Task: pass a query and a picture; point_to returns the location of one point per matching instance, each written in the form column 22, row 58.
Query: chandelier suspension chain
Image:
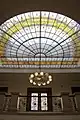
column 40, row 44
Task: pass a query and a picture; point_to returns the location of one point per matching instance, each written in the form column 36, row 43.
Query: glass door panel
column 44, row 103
column 34, row 101
column 39, row 99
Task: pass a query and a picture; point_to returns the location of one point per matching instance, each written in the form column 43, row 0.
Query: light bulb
column 44, row 83
column 50, row 79
column 34, row 83
column 50, row 76
column 41, row 73
column 48, row 82
column 31, row 81
column 31, row 75
column 39, row 84
column 36, row 73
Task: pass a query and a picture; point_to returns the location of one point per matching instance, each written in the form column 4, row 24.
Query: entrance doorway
column 39, row 99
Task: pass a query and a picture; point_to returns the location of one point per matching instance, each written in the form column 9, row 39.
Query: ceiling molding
column 5, row 70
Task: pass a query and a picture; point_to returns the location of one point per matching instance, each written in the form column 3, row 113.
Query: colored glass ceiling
column 41, row 38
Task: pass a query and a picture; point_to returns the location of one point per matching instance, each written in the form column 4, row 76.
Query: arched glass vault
column 41, row 38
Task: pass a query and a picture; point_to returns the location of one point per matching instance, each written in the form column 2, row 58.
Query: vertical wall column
column 2, row 101
column 14, row 101
column 66, row 102
column 77, row 101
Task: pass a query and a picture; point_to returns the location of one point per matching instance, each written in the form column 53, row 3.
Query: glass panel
column 34, row 101
column 44, row 104
column 20, row 38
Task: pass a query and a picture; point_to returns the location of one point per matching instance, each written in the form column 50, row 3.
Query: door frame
column 39, row 90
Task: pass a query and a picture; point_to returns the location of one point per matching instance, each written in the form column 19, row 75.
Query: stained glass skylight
column 31, row 38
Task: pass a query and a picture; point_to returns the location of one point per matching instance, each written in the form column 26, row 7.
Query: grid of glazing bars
column 40, row 38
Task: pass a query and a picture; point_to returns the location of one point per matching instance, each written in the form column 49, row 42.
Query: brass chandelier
column 40, row 78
